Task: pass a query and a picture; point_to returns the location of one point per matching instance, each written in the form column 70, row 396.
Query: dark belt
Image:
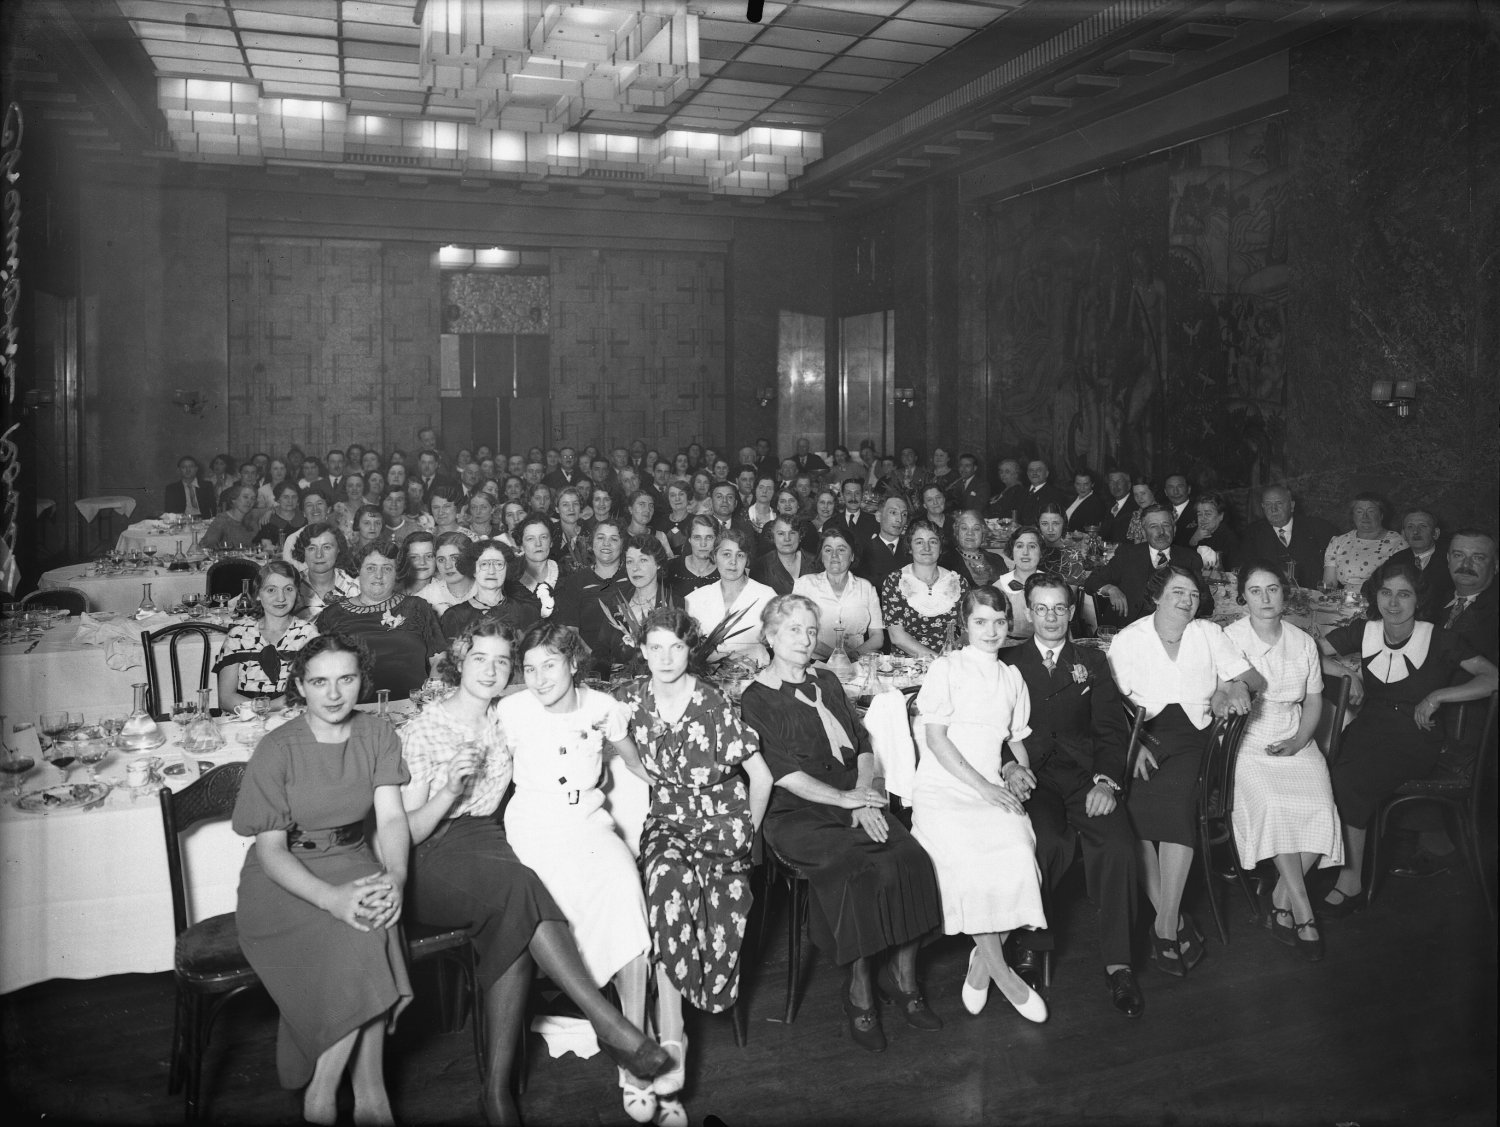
column 352, row 834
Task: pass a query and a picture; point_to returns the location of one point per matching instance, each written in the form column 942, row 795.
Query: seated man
column 1040, row 492
column 886, row 550
column 188, row 494
column 1298, row 541
column 807, row 461
column 1435, row 589
column 1122, row 581
column 1078, row 745
column 1474, row 610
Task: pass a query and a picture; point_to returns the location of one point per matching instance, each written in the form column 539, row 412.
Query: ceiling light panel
column 915, row 53
column 780, row 57
column 912, row 31
column 943, row 11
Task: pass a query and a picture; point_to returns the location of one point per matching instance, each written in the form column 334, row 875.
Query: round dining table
column 144, row 534
column 121, row 592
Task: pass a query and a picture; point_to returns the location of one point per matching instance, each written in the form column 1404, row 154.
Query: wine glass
column 13, row 763
column 150, row 550
column 53, row 724
column 91, row 754
column 11, row 611
column 190, row 604
column 61, row 756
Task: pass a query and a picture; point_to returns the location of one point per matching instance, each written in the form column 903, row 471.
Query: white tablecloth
column 61, row 673
column 144, row 532
column 91, row 507
column 85, row 894
column 122, row 593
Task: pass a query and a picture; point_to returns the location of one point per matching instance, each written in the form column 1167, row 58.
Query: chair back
column 1329, row 733
column 1469, row 758
column 70, row 599
column 1137, row 718
column 227, row 577
column 1216, row 773
column 209, row 799
column 172, row 637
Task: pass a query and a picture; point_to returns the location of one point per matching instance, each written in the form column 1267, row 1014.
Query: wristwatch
column 1106, row 781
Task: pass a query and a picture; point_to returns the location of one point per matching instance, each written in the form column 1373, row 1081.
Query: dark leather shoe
column 1422, row 864
column 1125, row 992
column 864, row 1026
column 1344, row 906
column 913, row 1006
column 1028, row 964
column 1309, row 949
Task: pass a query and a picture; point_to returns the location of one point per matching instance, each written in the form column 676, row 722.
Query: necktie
column 1161, row 559
column 1459, row 605
column 1048, row 661
column 1281, row 532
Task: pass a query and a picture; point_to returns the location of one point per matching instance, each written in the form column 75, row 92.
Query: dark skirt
column 867, row 896
column 466, row 875
column 1382, row 748
column 1164, row 807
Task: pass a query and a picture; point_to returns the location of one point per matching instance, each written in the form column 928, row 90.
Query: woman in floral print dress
column 695, row 848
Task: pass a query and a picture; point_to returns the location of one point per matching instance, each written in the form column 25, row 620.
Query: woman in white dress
column 735, row 591
column 848, row 606
column 559, row 828
column 1283, row 800
column 1026, row 552
column 974, row 829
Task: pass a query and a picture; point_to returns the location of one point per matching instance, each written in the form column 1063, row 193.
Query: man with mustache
column 1474, row 610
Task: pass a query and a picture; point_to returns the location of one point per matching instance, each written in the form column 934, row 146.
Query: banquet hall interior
column 1247, row 241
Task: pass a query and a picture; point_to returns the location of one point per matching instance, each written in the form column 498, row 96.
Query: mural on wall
column 1136, row 317
column 496, row 303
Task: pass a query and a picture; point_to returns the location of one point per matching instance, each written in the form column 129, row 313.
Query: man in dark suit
column 1087, row 509
column 1474, row 611
column 1119, row 508
column 1286, row 538
column 726, row 503
column 857, row 524
column 1078, row 745
column 1423, row 552
column 970, row 490
column 1012, row 491
column 1122, row 581
column 807, row 461
column 1040, row 492
column 886, row 551
column 335, row 473
column 1180, row 499
column 429, row 473
column 188, row 494
column 567, row 472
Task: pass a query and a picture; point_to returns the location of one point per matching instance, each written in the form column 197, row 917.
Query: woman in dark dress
column 318, row 906
column 464, row 872
column 401, row 630
column 487, row 563
column 695, row 567
column 785, row 560
column 1405, row 668
column 873, row 886
column 628, row 604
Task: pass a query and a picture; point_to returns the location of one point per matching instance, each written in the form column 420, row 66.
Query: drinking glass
column 91, row 754
column 150, row 550
column 12, row 612
column 61, row 756
column 53, row 724
column 13, row 763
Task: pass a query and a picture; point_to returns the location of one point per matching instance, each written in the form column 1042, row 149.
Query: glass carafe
column 140, row 731
column 838, row 661
column 202, row 733
column 147, row 607
column 244, row 606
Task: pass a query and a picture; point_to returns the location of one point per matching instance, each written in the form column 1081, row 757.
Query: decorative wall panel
column 638, row 346
column 496, row 303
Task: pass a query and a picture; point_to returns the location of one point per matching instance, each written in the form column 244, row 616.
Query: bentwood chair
column 227, row 577
column 1456, row 786
column 781, row 873
column 172, row 637
column 1216, row 812
column 70, row 599
column 209, row 968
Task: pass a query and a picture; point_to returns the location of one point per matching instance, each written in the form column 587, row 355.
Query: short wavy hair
column 312, row 532
column 1390, row 569
column 739, row 538
column 647, row 544
column 983, row 595
column 1164, row 575
column 468, row 558
column 386, row 547
column 328, row 644
column 283, row 569
column 564, row 640
column 779, row 609
column 1271, row 567
column 450, row 664
column 837, row 532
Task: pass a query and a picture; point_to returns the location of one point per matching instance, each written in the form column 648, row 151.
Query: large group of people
column 578, row 606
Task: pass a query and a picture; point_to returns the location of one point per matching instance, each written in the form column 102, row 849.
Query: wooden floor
column 1396, row 1026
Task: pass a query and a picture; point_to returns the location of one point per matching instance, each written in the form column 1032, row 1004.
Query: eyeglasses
column 1050, row 612
column 490, row 565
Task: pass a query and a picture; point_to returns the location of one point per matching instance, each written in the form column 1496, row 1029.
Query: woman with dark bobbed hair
column 492, row 597
column 256, row 659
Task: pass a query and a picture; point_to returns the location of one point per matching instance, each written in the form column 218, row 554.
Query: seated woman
column 579, row 594
column 393, row 508
column 318, row 906
column 1352, row 557
column 873, row 886
column 1283, row 803
column 419, row 550
column 1182, row 672
column 1144, row 496
column 786, row 504
column 762, row 509
column 1405, row 670
column 464, row 872
column 480, row 521
column 919, row 602
column 449, row 585
column 369, row 526
column 320, row 550
column 345, row 508
column 1214, row 534
column 267, row 495
column 1026, row 552
column 934, row 508
column 628, row 605
column 677, row 517
column 285, row 516
column 974, row 829
column 786, row 561
column 825, row 508
column 695, row 855
column 641, row 515
column 1052, row 523
column 400, row 630
column 538, row 573
column 233, row 527
column 695, row 567
column 701, row 500
column 253, row 665
column 848, row 607
column 442, row 502
column 558, row 825
column 942, row 473
column 734, row 594
column 570, row 532
column 486, row 563
column 969, row 557
column 375, row 487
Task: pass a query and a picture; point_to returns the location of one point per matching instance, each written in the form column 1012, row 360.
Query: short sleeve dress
column 1356, row 559
column 402, row 632
column 928, row 613
column 558, row 825
column 985, row 857
column 855, row 609
column 1282, row 803
column 867, row 895
column 262, row 667
column 1382, row 746
column 695, row 849
column 327, row 978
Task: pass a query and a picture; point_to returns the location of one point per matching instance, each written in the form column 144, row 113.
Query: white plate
column 64, row 796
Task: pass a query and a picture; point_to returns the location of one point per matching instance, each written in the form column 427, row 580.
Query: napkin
column 1209, row 557
column 567, row 1035
column 890, row 739
column 120, row 638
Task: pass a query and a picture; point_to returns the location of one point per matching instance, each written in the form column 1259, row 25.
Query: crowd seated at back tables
column 781, row 558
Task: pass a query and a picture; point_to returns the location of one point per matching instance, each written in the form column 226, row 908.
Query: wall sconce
column 1399, row 394
column 191, row 400
column 766, row 395
column 34, row 399
column 906, row 396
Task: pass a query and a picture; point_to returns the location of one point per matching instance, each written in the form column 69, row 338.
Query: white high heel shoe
column 639, row 1103
column 1034, row 1008
column 974, row 997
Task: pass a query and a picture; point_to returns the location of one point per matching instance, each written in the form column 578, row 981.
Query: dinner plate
column 64, row 796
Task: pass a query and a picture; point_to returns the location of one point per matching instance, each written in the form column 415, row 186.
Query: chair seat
column 1441, row 781
column 208, row 955
column 423, row 941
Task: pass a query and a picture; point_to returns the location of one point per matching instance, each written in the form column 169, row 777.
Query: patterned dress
column 695, row 849
column 1356, row 559
column 928, row 614
column 263, row 667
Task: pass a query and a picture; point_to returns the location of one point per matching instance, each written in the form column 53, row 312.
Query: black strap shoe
column 1028, row 964
column 1125, row 992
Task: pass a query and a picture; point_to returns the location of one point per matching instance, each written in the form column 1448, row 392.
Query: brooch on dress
column 391, row 621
